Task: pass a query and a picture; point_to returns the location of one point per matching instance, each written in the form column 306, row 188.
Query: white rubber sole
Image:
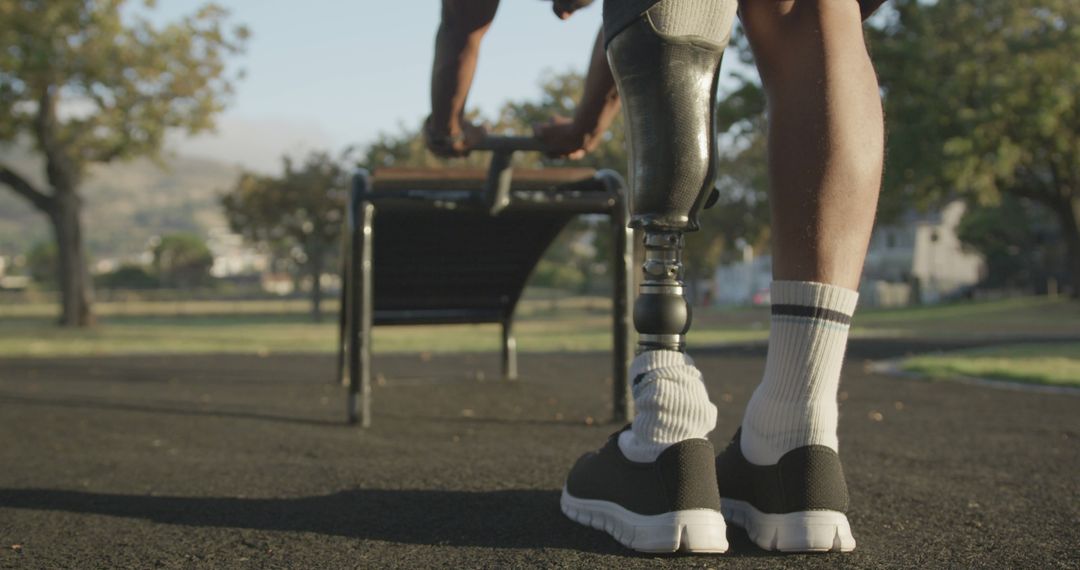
column 697, row 530
column 804, row 531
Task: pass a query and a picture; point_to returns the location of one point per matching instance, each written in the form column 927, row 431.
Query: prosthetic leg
column 653, row 485
column 666, row 64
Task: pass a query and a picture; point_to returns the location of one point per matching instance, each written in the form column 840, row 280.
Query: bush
column 557, row 276
column 127, row 276
column 41, row 262
column 182, row 261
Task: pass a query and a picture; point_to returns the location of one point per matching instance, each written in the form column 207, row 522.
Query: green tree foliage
column 41, row 263
column 557, row 275
column 182, row 261
column 301, row 211
column 559, row 94
column 741, row 215
column 128, row 276
column 1020, row 240
column 981, row 100
column 93, row 81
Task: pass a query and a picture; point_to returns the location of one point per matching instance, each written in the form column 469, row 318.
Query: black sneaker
column 661, row 506
column 796, row 505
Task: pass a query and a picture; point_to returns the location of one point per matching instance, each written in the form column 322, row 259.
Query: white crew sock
column 795, row 404
column 672, row 405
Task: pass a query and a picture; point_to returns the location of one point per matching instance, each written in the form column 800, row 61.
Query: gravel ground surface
column 243, row 462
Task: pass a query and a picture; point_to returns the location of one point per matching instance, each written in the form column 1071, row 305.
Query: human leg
column 825, row 157
column 826, row 135
column 666, row 64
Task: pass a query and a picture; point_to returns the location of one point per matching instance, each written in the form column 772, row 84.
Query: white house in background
column 232, row 256
column 918, row 259
column 744, row 282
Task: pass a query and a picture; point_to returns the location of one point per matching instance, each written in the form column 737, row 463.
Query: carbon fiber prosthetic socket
column 666, row 64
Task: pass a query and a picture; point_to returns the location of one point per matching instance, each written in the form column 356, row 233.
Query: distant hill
column 126, row 203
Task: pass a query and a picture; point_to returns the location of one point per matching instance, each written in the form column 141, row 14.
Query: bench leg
column 509, row 350
column 359, row 404
column 343, row 314
column 352, row 323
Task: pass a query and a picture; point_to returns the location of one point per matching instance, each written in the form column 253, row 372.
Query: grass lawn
column 576, row 331
column 1008, row 317
column 573, row 324
column 1053, row 363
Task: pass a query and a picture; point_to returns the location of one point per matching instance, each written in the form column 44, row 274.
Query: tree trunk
column 316, row 265
column 1070, row 230
column 74, row 278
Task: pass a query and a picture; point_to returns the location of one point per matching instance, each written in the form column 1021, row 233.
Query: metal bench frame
column 357, row 317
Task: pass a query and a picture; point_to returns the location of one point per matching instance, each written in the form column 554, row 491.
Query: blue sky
column 334, row 73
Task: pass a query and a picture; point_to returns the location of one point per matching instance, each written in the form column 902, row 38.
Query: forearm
column 600, row 101
column 457, row 49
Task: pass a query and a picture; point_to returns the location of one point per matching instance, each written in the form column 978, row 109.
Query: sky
column 326, row 74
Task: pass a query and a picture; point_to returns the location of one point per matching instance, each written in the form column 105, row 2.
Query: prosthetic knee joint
column 666, row 64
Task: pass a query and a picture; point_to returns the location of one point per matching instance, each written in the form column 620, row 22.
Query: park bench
column 438, row 246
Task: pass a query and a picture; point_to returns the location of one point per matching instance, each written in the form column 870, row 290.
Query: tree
column 182, row 261
column 1018, row 239
column 90, row 83
column 301, row 211
column 981, row 100
column 741, row 214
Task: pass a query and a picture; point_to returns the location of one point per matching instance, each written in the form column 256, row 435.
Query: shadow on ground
column 167, row 408
column 496, row 519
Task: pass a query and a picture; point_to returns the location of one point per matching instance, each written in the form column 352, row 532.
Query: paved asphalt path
column 242, row 462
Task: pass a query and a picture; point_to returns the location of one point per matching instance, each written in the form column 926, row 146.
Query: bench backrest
column 439, row 256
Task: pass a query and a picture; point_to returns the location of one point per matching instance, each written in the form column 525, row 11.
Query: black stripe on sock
column 812, row 312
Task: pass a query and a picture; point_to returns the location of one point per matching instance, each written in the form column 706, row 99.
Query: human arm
column 574, row 138
column 457, row 49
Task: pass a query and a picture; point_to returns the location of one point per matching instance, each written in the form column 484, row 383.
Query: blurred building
column 277, row 283
column 11, row 282
column 920, row 259
column 232, row 257
column 917, row 259
column 745, row 282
